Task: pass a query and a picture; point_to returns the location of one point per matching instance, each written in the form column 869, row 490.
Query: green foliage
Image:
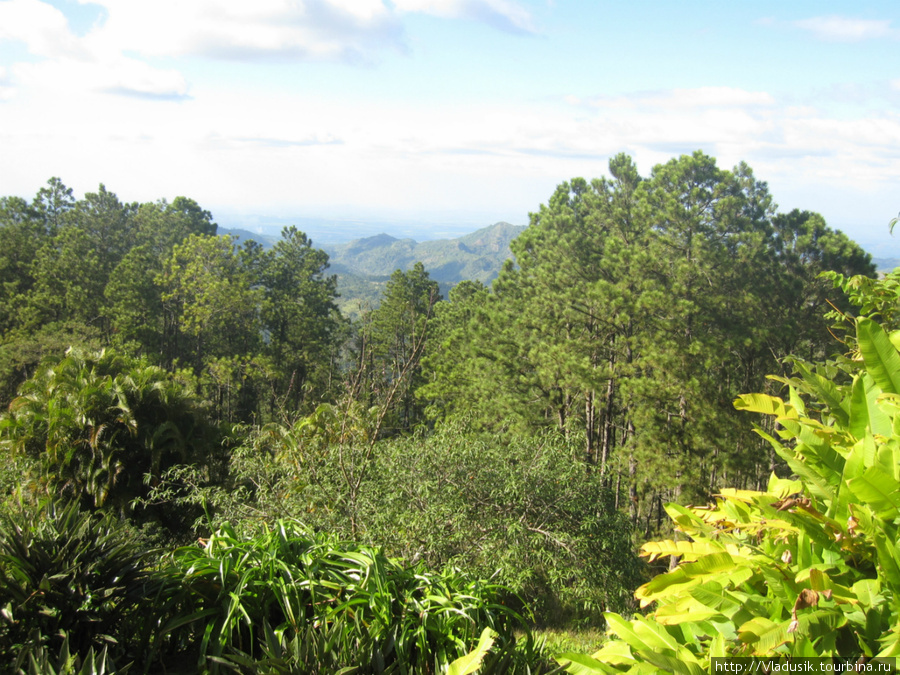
column 39, row 661
column 472, row 662
column 52, row 204
column 806, row 248
column 22, row 351
column 294, row 601
column 603, row 363
column 636, row 310
column 524, row 513
column 135, row 306
column 299, row 318
column 99, row 425
column 453, row 361
column 209, row 301
column 79, row 593
column 83, row 272
column 259, row 328
column 874, row 298
column 391, row 342
column 68, row 281
column 811, row 565
column 22, row 233
column 69, row 580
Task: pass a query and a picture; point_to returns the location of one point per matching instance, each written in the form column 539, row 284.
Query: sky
column 448, row 113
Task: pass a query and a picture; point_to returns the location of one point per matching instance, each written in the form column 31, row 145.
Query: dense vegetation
column 636, row 310
column 281, row 599
column 351, row 482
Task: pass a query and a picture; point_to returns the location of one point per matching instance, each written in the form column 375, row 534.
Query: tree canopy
column 634, row 311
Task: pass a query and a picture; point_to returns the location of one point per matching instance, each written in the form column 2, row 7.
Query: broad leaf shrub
column 288, row 600
column 524, row 511
column 809, row 567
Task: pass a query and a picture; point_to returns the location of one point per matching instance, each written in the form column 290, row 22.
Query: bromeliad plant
column 811, row 566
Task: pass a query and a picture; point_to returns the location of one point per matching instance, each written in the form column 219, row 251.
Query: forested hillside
column 476, row 256
column 363, row 266
column 531, row 427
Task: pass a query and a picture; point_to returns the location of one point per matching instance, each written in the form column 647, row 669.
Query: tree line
column 634, row 311
column 256, row 330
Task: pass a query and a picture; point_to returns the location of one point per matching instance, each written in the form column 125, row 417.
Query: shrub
column 525, row 513
column 70, row 577
column 101, row 424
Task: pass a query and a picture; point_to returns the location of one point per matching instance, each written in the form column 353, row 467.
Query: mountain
column 363, row 266
column 885, row 265
column 476, row 256
column 246, row 235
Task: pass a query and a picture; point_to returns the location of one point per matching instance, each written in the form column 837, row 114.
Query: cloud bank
column 846, row 29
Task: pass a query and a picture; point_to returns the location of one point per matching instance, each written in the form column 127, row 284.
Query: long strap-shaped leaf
column 881, row 357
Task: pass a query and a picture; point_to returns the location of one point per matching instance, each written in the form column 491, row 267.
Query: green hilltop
column 363, row 266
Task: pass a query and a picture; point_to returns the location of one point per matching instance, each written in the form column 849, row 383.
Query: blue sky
column 451, row 111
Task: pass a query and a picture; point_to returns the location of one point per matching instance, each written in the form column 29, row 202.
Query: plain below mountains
column 363, row 266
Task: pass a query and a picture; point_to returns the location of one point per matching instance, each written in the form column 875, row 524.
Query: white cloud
column 43, row 28
column 235, row 29
column 113, row 55
column 6, row 88
column 501, row 14
column 845, row 29
column 800, row 150
column 699, row 97
column 721, row 97
column 227, row 148
column 76, row 64
column 112, row 74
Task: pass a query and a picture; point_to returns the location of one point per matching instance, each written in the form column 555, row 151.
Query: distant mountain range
column 886, row 264
column 363, row 266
